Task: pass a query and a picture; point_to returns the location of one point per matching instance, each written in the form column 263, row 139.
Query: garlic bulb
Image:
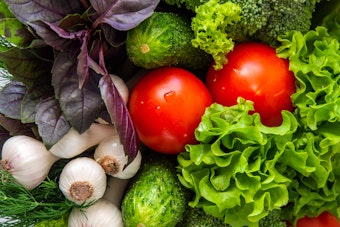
column 111, row 156
column 27, row 159
column 73, row 143
column 83, row 180
column 101, row 214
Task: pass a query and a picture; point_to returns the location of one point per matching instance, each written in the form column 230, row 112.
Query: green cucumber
column 164, row 39
column 155, row 198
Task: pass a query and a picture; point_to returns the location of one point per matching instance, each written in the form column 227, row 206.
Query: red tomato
column 166, row 106
column 323, row 220
column 255, row 73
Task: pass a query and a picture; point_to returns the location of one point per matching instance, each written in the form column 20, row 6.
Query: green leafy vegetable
column 12, row 31
column 210, row 26
column 25, row 207
column 314, row 58
column 242, row 170
column 233, row 171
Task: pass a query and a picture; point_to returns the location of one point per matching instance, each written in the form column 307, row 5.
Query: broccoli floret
column 196, row 217
column 273, row 219
column 260, row 20
column 188, row 4
column 285, row 16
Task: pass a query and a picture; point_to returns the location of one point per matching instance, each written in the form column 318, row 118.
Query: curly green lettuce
column 314, row 58
column 210, row 29
column 233, row 169
column 242, row 170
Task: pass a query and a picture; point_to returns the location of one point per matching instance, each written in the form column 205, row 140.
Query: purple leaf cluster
column 62, row 78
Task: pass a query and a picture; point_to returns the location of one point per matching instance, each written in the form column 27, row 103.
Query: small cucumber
column 164, row 39
column 155, row 198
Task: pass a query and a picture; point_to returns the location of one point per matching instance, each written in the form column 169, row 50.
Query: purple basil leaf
column 119, row 116
column 123, row 14
column 114, row 37
column 15, row 127
column 27, row 64
column 83, row 61
column 52, row 125
column 38, row 91
column 81, row 106
column 55, row 36
column 4, row 135
column 10, row 99
column 51, row 11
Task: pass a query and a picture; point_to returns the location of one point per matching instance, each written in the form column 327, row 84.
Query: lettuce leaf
column 234, row 170
column 241, row 170
column 210, row 27
column 314, row 58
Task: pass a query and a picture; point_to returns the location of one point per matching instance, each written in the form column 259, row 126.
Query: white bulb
column 27, row 159
column 83, row 180
column 101, row 214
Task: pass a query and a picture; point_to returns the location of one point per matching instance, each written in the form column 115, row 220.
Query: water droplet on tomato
column 170, row 96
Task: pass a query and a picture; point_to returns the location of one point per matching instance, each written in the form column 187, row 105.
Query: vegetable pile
column 170, row 113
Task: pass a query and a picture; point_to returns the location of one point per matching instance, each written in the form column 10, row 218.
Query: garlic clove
column 83, row 181
column 131, row 170
column 111, row 156
column 101, row 214
column 73, row 143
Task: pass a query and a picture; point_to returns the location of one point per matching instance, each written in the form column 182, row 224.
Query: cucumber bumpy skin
column 164, row 39
column 155, row 199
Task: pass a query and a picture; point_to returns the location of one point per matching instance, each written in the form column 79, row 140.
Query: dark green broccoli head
column 196, row 217
column 273, row 219
column 284, row 16
column 265, row 20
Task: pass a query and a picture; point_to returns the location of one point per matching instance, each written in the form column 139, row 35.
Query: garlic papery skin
column 115, row 190
column 73, row 143
column 131, row 170
column 83, row 180
column 121, row 87
column 101, row 214
column 111, row 156
column 27, row 159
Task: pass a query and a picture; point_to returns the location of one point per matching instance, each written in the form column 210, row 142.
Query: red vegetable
column 254, row 72
column 323, row 220
column 166, row 106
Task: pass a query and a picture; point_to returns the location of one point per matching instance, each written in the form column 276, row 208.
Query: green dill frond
column 22, row 207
